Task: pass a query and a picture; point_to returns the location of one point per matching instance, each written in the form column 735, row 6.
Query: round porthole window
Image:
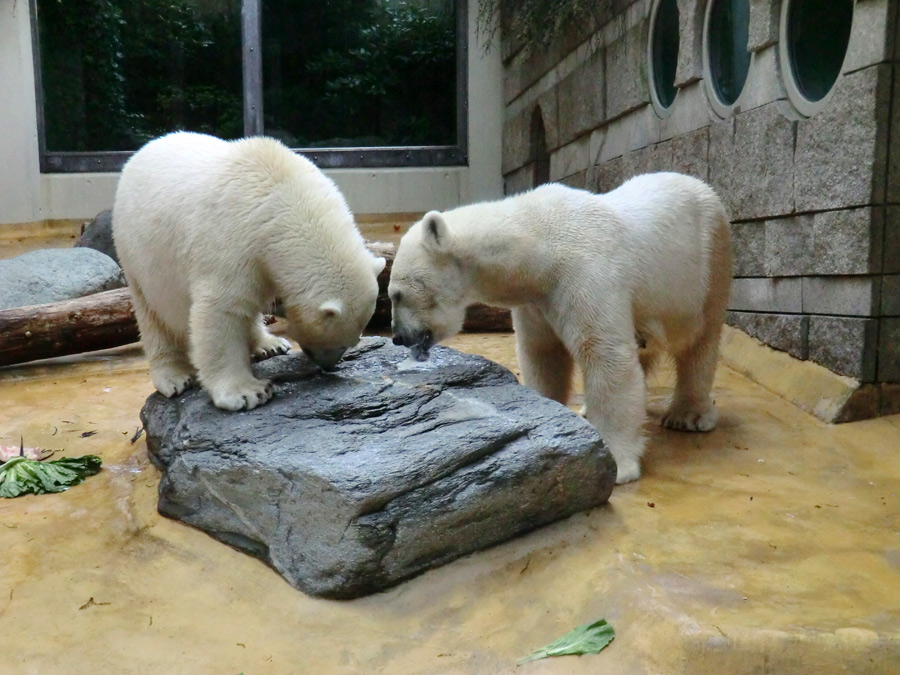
column 726, row 59
column 663, row 56
column 813, row 43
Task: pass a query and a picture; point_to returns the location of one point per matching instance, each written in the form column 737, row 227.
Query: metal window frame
column 325, row 158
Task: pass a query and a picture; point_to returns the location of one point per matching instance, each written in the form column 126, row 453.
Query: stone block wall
column 814, row 201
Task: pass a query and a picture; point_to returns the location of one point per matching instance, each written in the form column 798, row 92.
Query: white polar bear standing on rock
column 209, row 232
column 588, row 278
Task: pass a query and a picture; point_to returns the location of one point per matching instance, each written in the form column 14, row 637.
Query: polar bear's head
column 428, row 286
column 331, row 316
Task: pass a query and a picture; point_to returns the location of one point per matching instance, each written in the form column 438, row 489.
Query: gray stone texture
column 351, row 481
column 871, row 41
column 748, row 244
column 844, row 345
column 690, row 111
column 842, row 296
column 690, row 48
column 763, row 85
column 750, row 163
column 785, row 332
column 570, row 159
column 764, row 18
column 49, row 275
column 627, row 58
column 847, row 242
column 516, row 141
column 633, row 131
column 890, row 295
column 891, row 251
column 98, row 235
column 518, row 181
column 889, row 350
column 841, row 151
column 782, row 295
column 583, row 90
column 788, row 246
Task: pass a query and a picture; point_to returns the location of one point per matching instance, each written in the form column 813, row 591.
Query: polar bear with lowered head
column 209, row 232
column 606, row 282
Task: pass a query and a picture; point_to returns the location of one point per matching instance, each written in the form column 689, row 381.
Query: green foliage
column 21, row 476
column 587, row 639
column 117, row 73
column 398, row 82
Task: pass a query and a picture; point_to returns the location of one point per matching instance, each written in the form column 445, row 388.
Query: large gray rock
column 98, row 235
column 350, row 481
column 49, row 275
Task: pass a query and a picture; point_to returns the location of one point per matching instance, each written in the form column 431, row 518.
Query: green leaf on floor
column 20, row 475
column 590, row 638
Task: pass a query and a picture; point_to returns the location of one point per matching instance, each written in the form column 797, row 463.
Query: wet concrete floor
column 770, row 545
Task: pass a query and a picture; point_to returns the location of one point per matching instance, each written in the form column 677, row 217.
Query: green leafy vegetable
column 21, row 475
column 590, row 638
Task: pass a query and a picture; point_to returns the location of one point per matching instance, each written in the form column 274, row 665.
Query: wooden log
column 97, row 321
column 105, row 320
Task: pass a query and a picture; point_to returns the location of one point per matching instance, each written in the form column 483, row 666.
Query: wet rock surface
column 49, row 275
column 351, row 481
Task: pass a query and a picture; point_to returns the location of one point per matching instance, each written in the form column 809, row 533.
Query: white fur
column 209, row 232
column 588, row 278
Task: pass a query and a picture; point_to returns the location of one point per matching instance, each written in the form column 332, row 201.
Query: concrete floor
column 770, row 545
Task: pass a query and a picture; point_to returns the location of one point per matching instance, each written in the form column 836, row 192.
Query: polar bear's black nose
column 398, row 339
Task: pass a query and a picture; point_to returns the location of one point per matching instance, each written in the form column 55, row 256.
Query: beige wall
column 26, row 195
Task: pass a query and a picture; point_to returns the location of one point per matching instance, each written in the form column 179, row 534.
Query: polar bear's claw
column 275, row 347
column 247, row 398
column 173, row 385
column 691, row 420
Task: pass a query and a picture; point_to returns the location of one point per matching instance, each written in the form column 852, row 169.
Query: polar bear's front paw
column 171, row 383
column 690, row 420
column 271, row 346
column 245, row 397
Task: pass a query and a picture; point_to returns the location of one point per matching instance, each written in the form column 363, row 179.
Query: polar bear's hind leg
column 544, row 361
column 170, row 370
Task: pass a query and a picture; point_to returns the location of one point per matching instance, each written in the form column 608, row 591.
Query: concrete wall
column 28, row 196
column 812, row 199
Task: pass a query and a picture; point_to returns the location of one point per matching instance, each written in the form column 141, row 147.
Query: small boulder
column 98, row 235
column 53, row 274
column 351, row 481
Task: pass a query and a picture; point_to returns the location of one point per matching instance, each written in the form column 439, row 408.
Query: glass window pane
column 359, row 73
column 116, row 73
column 665, row 51
column 818, row 34
column 729, row 60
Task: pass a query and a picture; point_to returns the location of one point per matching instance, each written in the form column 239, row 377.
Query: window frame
column 325, row 158
column 805, row 106
column 662, row 111
column 720, row 107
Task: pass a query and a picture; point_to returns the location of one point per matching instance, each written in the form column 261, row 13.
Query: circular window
column 814, row 40
column 664, row 39
column 727, row 60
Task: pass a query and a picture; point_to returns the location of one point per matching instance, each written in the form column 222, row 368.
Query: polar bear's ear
column 331, row 309
column 378, row 265
column 436, row 235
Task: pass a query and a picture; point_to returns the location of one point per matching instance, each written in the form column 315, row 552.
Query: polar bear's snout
column 326, row 359
column 419, row 341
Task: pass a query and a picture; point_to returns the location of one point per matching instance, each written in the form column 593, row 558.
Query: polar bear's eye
column 398, row 296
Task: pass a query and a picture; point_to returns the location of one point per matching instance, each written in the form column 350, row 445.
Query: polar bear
column 602, row 281
column 209, row 232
